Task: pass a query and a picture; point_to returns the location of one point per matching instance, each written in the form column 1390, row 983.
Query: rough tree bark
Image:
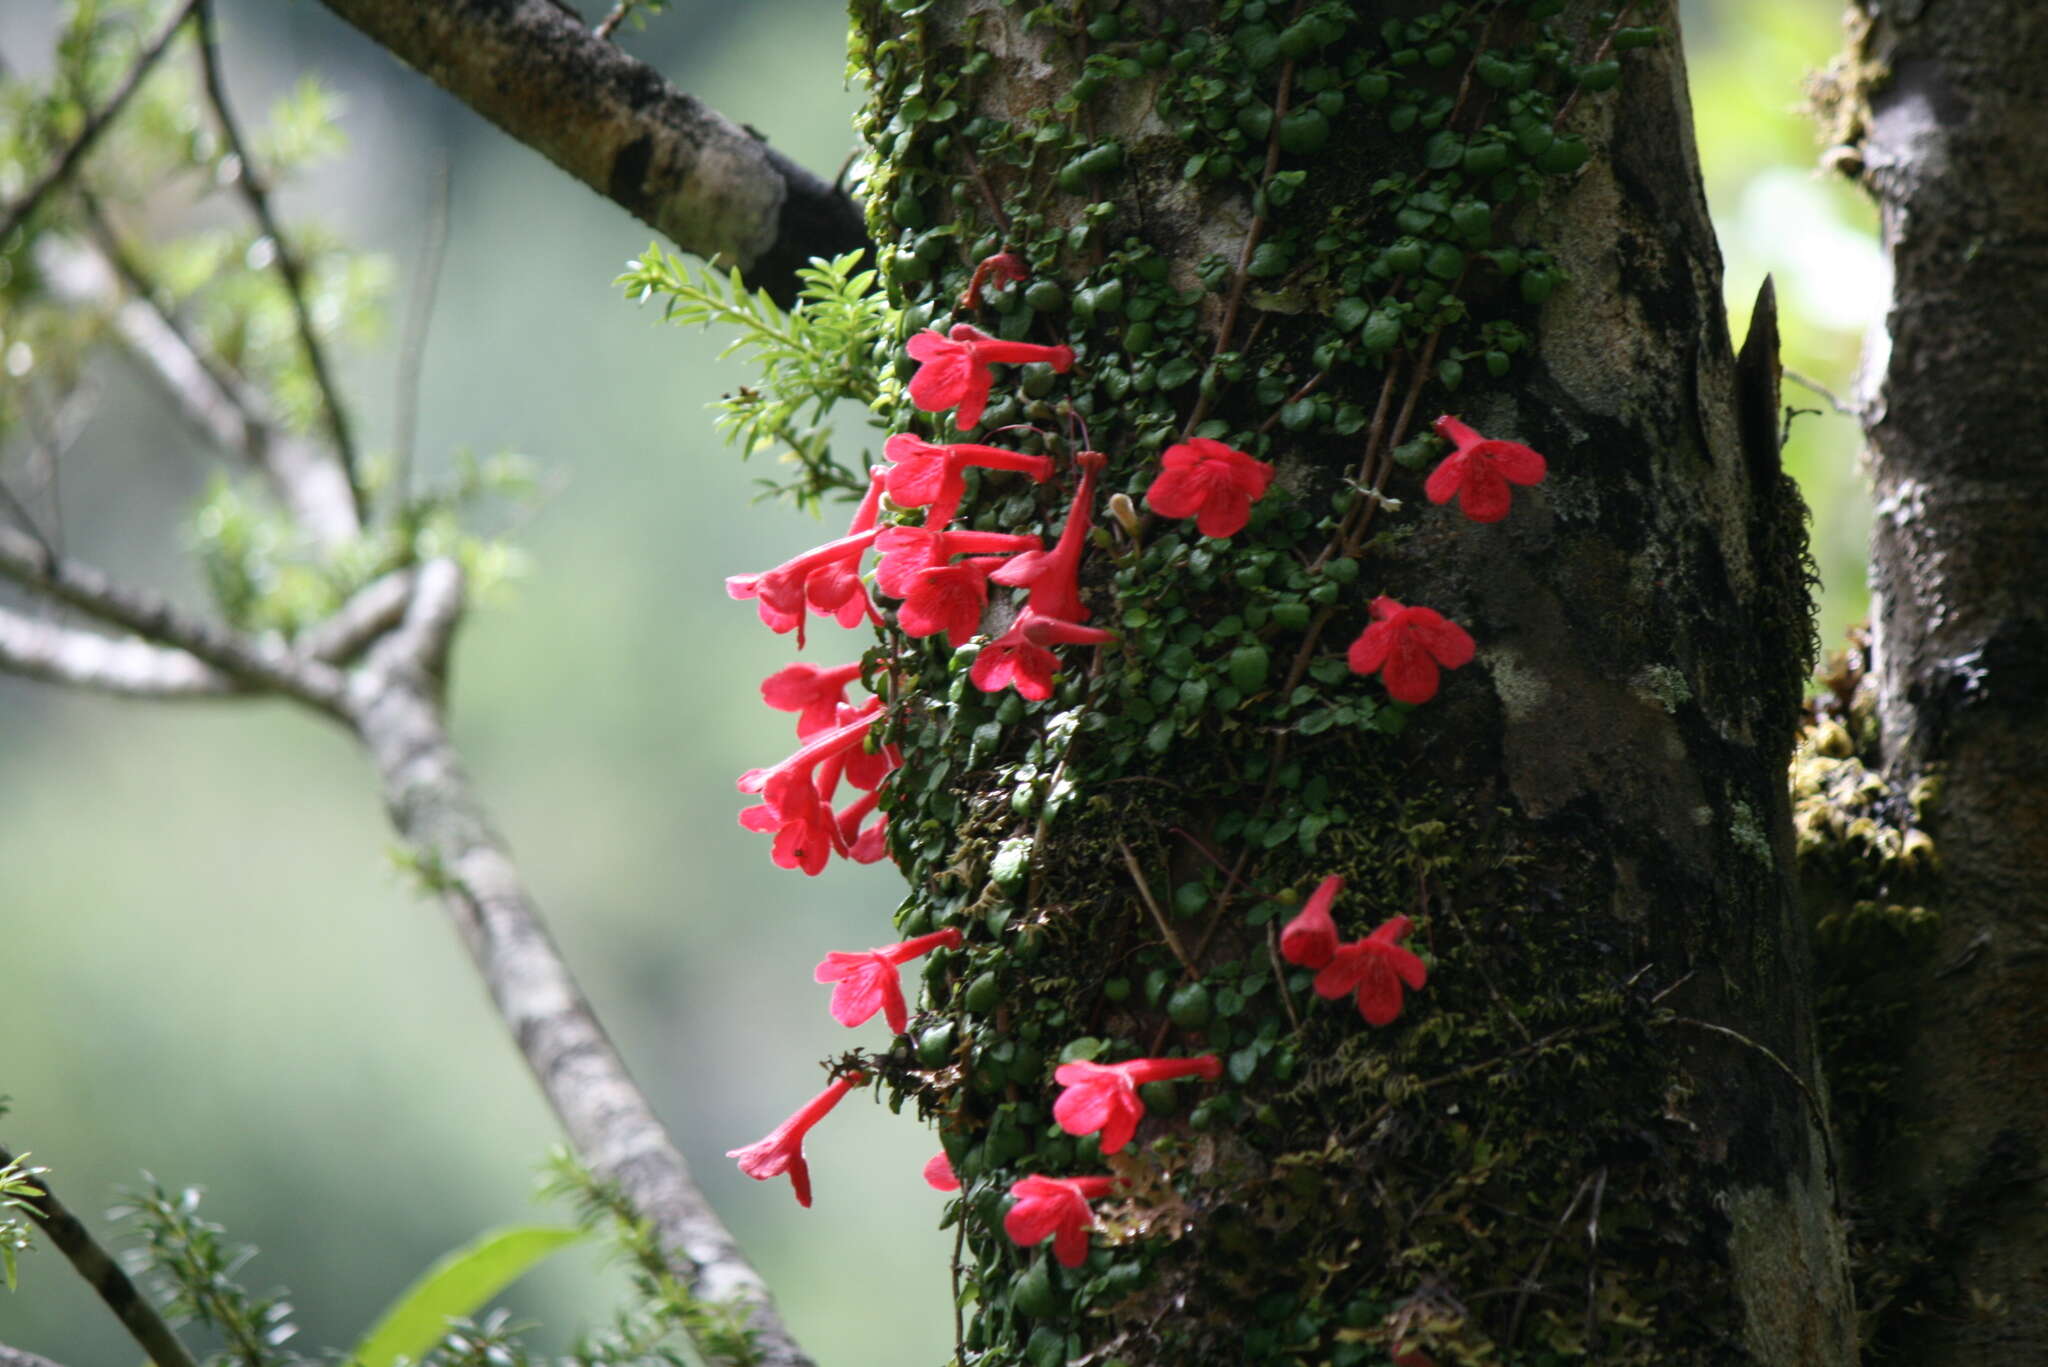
column 1941, row 118
column 713, row 187
column 1598, row 1128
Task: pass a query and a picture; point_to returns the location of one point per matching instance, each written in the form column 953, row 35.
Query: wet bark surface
column 1957, row 102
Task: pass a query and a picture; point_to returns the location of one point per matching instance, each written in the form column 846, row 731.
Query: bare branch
column 395, row 705
column 85, row 659
column 17, row 1357
column 67, row 160
column 376, row 608
column 104, row 1276
column 219, row 407
column 288, row 264
column 252, row 663
column 714, row 188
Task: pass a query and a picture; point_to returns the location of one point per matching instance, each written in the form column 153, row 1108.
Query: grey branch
column 395, row 704
column 17, row 1357
column 104, row 1276
column 610, row 120
column 59, row 654
column 228, row 413
column 256, row 664
column 74, row 152
column 84, row 659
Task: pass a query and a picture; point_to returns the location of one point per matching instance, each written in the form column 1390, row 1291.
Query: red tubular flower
column 949, row 599
column 806, row 833
column 784, row 590
column 906, row 552
column 1480, row 470
column 1310, row 939
column 1409, row 644
column 783, row 1148
column 1057, row 1206
column 1008, row 265
column 1105, row 1096
column 955, row 369
column 1375, row 968
column 870, row 981
column 1022, row 657
column 1053, row 577
column 1210, row 482
column 939, row 1174
column 926, row 475
column 813, row 692
column 863, row 846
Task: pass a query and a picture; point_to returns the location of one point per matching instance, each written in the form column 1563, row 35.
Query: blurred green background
column 215, row 974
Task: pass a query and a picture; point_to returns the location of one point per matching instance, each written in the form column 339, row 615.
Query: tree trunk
column 1305, row 232
column 1941, row 118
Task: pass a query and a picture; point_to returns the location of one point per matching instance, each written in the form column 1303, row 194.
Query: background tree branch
column 713, row 187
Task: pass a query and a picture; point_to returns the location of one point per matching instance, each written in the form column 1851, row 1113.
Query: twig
column 395, row 708
column 1145, row 895
column 1846, row 410
column 1820, row 1118
column 288, row 264
column 67, row 161
column 419, row 316
column 1535, row 1278
column 250, row 662
column 104, row 1276
column 609, row 25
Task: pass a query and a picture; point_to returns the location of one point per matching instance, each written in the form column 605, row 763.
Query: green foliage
column 194, row 1272
column 17, row 1188
column 665, row 1314
column 458, row 1283
column 811, row 357
column 267, row 574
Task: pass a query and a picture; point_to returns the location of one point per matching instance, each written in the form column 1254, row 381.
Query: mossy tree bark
column 1938, row 119
column 1305, row 230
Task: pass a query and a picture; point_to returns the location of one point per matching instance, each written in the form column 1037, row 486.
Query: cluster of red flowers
column 1374, row 967
column 938, row 576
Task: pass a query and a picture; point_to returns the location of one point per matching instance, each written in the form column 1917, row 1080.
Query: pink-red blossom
column 871, row 980
column 939, row 1174
column 908, row 551
column 813, row 692
column 954, row 369
column 1407, row 646
column 796, row 792
column 1374, row 968
column 1104, row 1096
column 1053, row 577
column 785, row 591
column 1022, row 657
column 923, row 474
column 1210, row 482
column 1310, row 939
column 1479, row 471
column 782, row 1151
column 1057, row 1206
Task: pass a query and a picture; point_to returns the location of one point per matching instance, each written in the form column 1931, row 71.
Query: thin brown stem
column 289, row 266
column 1159, row 917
